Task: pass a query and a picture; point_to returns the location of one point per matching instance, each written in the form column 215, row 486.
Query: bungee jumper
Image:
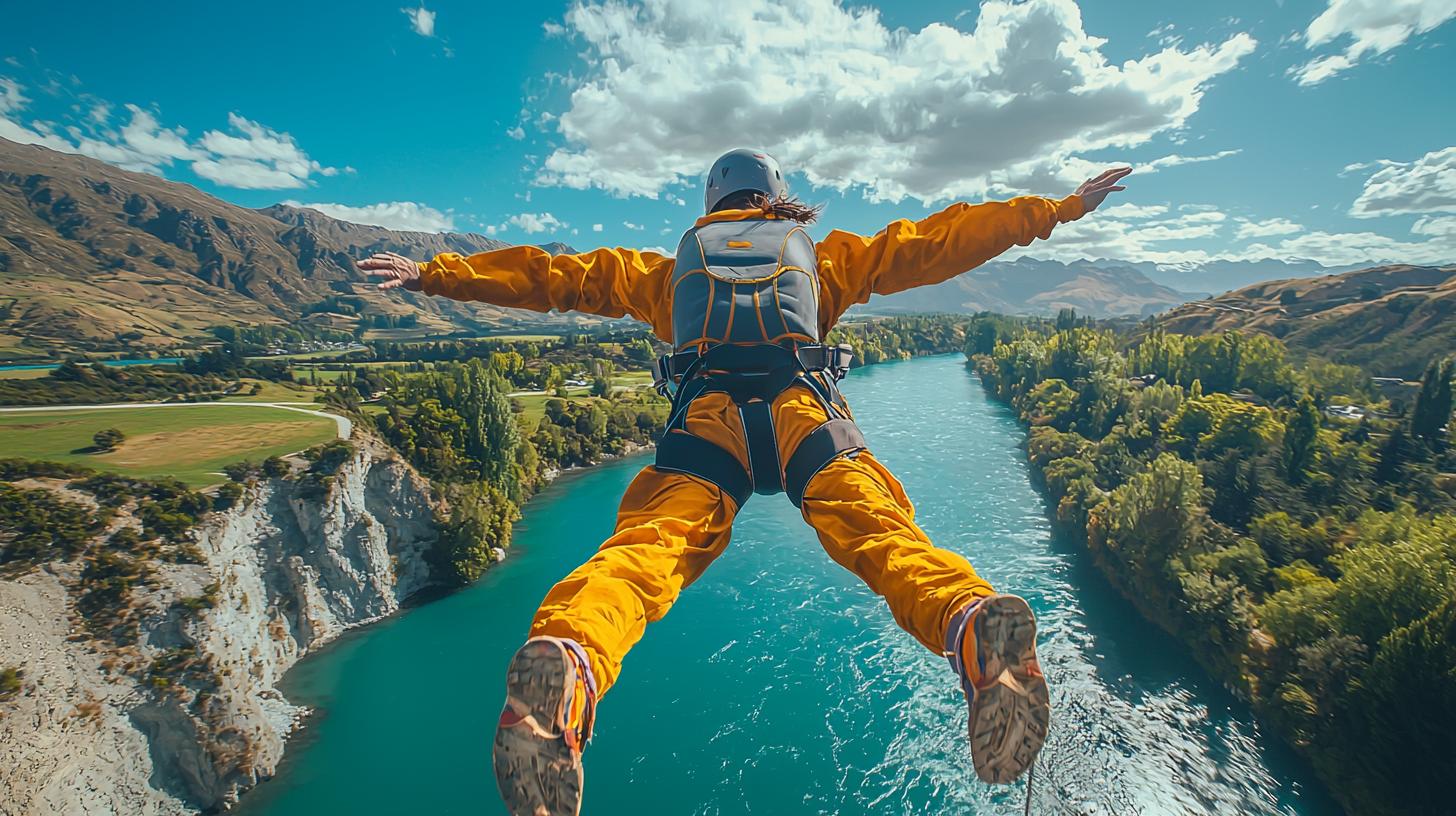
column 746, row 303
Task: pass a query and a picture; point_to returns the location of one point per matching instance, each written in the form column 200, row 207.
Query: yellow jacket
column 618, row 282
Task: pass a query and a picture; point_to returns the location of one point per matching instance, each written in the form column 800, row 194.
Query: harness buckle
column 662, row 375
column 840, row 358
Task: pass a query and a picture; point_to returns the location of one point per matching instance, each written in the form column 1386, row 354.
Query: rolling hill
column 1391, row 320
column 95, row 258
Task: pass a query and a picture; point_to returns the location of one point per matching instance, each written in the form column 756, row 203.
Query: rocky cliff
column 283, row 572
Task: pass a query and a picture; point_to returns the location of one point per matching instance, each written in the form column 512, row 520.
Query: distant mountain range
column 95, row 258
column 1391, row 320
column 1032, row 286
column 1101, row 288
column 1216, row 277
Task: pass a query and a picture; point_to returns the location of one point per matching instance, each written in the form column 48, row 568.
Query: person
column 746, row 303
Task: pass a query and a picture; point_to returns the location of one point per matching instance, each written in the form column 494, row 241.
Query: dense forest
column 1304, row 549
column 457, row 424
column 203, row 377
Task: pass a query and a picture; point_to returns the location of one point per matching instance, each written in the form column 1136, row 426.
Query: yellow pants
column 671, row 526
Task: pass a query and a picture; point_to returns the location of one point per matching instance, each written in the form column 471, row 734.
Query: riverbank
column 1303, row 560
column 180, row 713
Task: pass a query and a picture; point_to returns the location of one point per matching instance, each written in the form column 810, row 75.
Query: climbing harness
column 745, row 316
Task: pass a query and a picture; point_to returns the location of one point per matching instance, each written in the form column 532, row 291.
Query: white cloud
column 246, row 175
column 147, row 137
column 256, row 157
column 931, row 114
column 1372, row 26
column 1342, row 248
column 1425, row 185
column 1132, row 233
column 1264, row 229
column 11, row 97
column 531, row 223
column 250, row 157
column 395, row 215
column 1132, row 211
column 1443, row 227
column 518, row 133
column 596, row 227
column 1174, row 160
column 142, row 145
column 631, row 226
column 422, row 20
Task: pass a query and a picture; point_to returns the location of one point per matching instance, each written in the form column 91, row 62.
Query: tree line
column 1308, row 560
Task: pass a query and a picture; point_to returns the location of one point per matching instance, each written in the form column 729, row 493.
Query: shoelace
column 589, row 715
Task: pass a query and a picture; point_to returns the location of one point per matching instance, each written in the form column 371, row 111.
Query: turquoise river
column 779, row 684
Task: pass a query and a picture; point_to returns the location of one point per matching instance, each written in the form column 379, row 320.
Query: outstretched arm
column 607, row 282
column 959, row 238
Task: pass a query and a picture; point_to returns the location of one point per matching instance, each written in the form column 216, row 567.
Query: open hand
column 1094, row 190
column 396, row 270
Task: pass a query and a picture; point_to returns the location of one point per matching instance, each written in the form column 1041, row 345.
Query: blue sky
column 1307, row 128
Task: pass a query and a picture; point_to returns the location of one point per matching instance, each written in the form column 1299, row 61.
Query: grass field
column 275, row 392
column 24, row 373
column 192, row 443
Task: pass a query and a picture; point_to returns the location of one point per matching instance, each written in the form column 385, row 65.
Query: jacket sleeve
column 606, row 282
column 908, row 254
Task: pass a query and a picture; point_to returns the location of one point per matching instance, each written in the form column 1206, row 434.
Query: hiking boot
column 991, row 644
column 547, row 720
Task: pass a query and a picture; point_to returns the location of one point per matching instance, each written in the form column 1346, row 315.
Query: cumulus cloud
column 1425, row 185
column 422, row 20
column 1373, row 27
column 250, row 156
column 395, row 215
column 1175, row 160
column 518, row 133
column 255, row 157
column 1343, row 248
column 1149, row 233
column 1132, row 232
column 529, row 223
column 596, row 227
column 11, row 97
column 1264, row 229
column 1444, row 227
column 932, row 114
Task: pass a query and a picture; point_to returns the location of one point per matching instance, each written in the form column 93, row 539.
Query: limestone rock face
column 287, row 574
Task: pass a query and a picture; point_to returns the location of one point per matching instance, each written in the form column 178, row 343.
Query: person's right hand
column 397, row 270
column 1094, row 190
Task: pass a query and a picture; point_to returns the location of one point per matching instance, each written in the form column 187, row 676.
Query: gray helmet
column 739, row 170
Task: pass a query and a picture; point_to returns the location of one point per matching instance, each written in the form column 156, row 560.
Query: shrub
column 10, row 686
column 108, row 439
column 227, row 496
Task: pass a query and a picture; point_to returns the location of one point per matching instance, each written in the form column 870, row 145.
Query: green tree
column 274, row 467
column 1299, row 439
column 601, row 386
column 108, row 439
column 1433, row 404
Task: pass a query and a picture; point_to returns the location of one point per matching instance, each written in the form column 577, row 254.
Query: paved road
column 345, row 425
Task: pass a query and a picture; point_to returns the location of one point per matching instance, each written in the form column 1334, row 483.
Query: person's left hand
column 397, row 270
column 1094, row 190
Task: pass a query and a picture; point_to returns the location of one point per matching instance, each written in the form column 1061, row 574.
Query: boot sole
column 1009, row 718
column 538, row 776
